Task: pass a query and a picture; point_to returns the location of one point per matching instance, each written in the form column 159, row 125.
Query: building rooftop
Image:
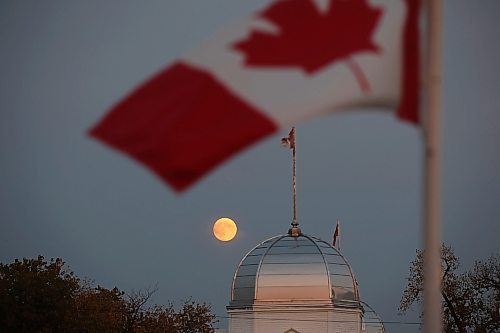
column 288, row 269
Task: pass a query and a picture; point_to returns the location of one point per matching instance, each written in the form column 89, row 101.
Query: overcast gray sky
column 62, row 194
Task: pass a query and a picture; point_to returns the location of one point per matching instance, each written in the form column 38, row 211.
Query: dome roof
column 286, row 269
column 373, row 323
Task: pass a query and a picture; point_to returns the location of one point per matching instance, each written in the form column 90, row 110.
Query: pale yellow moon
column 225, row 229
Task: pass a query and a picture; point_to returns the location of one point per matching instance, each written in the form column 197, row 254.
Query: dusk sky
column 63, row 64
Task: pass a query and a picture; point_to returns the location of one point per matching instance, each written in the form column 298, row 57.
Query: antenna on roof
column 289, row 142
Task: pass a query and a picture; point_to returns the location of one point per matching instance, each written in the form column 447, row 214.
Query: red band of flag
column 179, row 137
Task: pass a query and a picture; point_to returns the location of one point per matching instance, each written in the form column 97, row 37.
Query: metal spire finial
column 289, row 142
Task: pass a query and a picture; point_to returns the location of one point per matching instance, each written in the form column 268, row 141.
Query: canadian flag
column 290, row 62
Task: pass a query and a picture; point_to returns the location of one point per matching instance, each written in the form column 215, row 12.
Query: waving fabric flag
column 289, row 141
column 336, row 236
column 293, row 61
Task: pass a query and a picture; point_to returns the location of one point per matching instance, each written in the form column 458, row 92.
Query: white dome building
column 297, row 283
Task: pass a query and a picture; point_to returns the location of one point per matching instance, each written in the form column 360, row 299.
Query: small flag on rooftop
column 336, row 236
column 289, row 142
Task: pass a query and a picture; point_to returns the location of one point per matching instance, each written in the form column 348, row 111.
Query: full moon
column 225, row 229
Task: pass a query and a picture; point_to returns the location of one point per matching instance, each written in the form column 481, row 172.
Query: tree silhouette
column 42, row 296
column 471, row 299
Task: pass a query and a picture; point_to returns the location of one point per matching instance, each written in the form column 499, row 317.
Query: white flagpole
column 432, row 187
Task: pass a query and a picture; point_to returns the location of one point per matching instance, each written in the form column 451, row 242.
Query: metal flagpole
column 432, row 188
column 290, row 142
column 294, row 223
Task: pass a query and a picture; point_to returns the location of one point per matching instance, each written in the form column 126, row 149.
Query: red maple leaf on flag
column 310, row 38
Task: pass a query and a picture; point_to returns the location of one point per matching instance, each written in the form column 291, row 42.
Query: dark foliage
column 471, row 299
column 42, row 296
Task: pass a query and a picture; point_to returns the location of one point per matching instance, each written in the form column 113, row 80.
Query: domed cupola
column 294, row 269
column 296, row 283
